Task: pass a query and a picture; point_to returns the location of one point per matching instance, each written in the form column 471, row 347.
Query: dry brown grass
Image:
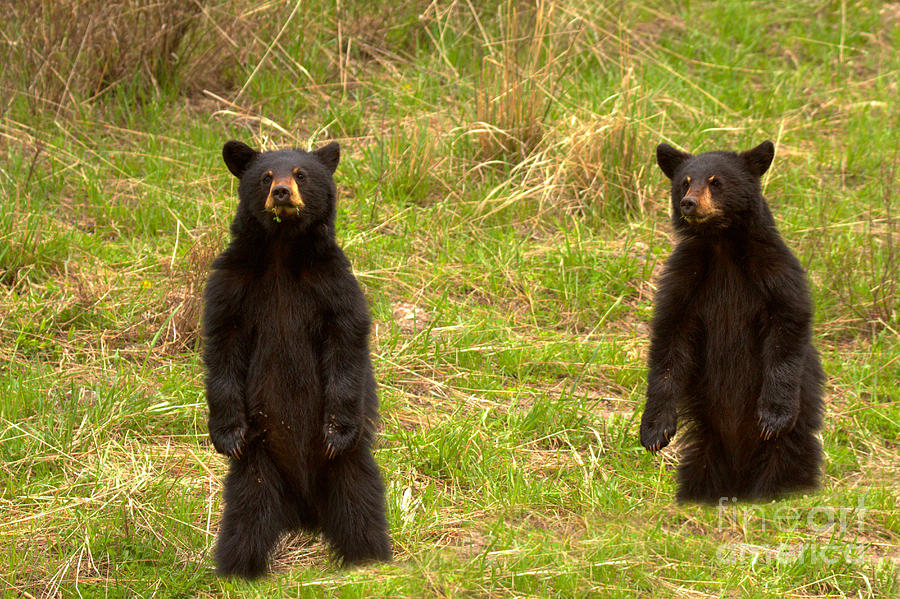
column 184, row 295
column 518, row 80
column 603, row 160
column 63, row 53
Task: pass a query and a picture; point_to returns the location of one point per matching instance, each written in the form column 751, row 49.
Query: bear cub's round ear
column 237, row 156
column 669, row 159
column 330, row 155
column 759, row 158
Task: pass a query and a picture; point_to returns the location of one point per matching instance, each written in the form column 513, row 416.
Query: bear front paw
column 773, row 422
column 657, row 432
column 229, row 440
column 339, row 437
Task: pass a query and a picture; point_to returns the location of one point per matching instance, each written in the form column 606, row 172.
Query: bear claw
column 656, row 433
column 772, row 424
column 338, row 438
column 230, row 441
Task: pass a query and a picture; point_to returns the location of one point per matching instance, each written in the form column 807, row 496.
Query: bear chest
column 284, row 362
column 727, row 307
column 287, row 315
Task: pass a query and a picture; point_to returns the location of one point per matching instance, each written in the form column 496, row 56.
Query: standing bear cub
column 289, row 381
column 730, row 347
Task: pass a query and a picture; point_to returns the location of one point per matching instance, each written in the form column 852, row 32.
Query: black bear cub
column 730, row 348
column 289, row 383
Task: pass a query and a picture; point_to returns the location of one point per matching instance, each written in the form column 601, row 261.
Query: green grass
column 502, row 209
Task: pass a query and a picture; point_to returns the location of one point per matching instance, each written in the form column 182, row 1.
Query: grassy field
column 500, row 203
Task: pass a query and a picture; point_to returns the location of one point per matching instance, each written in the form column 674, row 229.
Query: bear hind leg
column 256, row 514
column 354, row 522
column 703, row 474
column 789, row 464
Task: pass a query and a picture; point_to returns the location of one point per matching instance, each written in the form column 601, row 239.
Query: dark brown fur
column 731, row 352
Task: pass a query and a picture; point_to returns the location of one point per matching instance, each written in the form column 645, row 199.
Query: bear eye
column 685, row 184
column 713, row 182
column 298, row 175
column 267, row 179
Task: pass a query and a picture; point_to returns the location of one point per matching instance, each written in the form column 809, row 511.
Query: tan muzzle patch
column 283, row 185
column 706, row 207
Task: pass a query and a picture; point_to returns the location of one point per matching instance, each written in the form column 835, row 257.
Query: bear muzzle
column 688, row 206
column 697, row 206
column 284, row 198
column 281, row 195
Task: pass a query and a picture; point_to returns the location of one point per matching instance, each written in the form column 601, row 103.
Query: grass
column 501, row 207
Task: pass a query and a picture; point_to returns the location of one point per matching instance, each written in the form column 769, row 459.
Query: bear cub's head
column 285, row 188
column 715, row 189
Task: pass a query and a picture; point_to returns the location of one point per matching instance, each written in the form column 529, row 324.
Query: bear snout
column 281, row 195
column 284, row 196
column 688, row 206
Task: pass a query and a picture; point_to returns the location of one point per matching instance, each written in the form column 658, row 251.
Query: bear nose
column 281, row 195
column 688, row 205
